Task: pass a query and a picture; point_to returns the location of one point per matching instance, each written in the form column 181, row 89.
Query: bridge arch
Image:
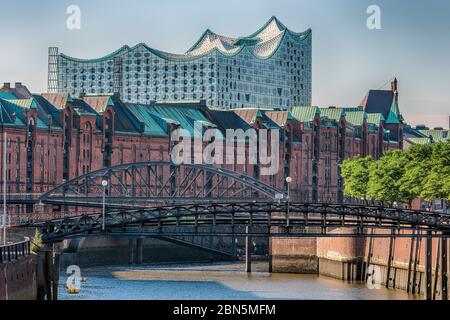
column 147, row 183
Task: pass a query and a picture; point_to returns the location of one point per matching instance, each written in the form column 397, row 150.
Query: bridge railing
column 15, row 251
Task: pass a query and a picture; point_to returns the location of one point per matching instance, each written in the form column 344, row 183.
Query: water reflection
column 220, row 281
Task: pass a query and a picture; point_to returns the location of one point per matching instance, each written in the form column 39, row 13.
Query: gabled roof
column 305, row 114
column 99, row 103
column 151, row 123
column 25, row 103
column 124, row 120
column 436, row 135
column 384, row 102
column 227, row 119
column 59, row 100
column 47, row 112
column 356, row 118
column 249, row 115
column 419, row 140
column 7, row 95
column 332, row 113
column 375, row 118
column 11, row 114
column 183, row 114
column 279, row 117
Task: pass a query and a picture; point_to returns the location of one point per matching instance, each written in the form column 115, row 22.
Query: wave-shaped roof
column 263, row 44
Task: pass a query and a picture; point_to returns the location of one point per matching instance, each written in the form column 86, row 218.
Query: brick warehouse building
column 54, row 137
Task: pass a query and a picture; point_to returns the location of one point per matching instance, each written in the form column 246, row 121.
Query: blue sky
column 348, row 58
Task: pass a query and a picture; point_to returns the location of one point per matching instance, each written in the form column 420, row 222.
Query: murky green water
column 219, row 281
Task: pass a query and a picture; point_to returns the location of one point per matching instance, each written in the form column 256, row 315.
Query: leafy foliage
column 401, row 176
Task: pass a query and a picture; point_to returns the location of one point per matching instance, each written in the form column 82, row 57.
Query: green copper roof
column 394, row 116
column 420, row 140
column 375, row 118
column 437, row 135
column 356, row 118
column 184, row 115
column 152, row 125
column 7, row 95
column 11, row 114
column 305, row 114
column 332, row 113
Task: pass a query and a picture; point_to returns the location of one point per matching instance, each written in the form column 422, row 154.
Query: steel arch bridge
column 267, row 219
column 147, row 183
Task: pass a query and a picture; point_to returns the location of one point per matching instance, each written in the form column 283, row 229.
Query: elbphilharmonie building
column 270, row 68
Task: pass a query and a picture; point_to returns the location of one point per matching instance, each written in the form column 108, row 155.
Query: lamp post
column 288, row 181
column 104, row 184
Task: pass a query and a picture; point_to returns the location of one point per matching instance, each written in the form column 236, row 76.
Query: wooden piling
column 428, row 267
column 248, row 250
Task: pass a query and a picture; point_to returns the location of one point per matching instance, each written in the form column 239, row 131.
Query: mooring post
column 410, row 263
column 428, row 267
column 444, row 268
column 390, row 260
column 55, row 274
column 248, row 250
column 131, row 249
column 270, row 255
column 416, row 263
column 48, row 274
column 139, row 251
column 436, row 271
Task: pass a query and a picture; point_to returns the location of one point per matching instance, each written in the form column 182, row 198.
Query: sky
column 413, row 43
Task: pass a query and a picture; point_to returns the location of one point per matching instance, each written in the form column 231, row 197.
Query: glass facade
column 270, row 69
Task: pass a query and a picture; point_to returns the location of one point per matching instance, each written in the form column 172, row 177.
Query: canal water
column 218, row 281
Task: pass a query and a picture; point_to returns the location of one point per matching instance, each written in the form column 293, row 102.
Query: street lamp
column 288, row 181
column 104, row 184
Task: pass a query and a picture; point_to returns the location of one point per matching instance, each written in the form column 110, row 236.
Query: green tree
column 356, row 176
column 415, row 172
column 384, row 177
column 436, row 185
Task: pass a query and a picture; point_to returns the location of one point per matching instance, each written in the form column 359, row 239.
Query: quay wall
column 18, row 279
column 400, row 262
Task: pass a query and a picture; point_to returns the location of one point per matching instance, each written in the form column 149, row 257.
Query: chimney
column 394, row 88
column 18, row 85
column 394, row 85
column 6, row 86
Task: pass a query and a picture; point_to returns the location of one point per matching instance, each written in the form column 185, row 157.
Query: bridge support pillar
column 131, row 250
column 248, row 251
column 139, row 250
column 428, row 267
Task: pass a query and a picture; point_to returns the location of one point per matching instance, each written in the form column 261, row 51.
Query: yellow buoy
column 73, row 290
column 83, row 279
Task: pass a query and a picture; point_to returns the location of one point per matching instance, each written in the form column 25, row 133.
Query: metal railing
column 15, row 251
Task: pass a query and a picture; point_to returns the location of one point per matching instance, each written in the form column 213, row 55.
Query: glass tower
column 268, row 69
